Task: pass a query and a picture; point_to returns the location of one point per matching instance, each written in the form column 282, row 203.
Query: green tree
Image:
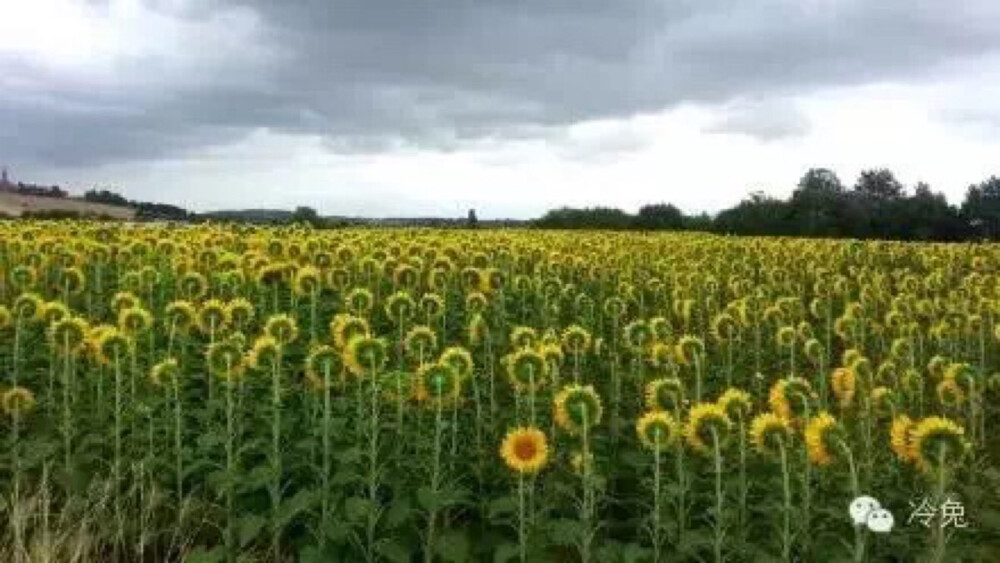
column 660, row 216
column 981, row 208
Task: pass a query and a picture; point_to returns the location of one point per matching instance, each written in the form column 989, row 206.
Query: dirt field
column 15, row 205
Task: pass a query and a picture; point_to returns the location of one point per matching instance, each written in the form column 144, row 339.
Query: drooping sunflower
column 576, row 340
column 525, row 450
column 937, row 441
column 526, row 369
column 460, row 360
column 949, row 393
column 359, row 301
column 365, row 355
column 689, row 349
column 522, row 337
column 240, row 313
column 664, row 394
column 821, row 433
column 165, row 372
column 791, row 398
column 179, row 316
column 282, row 328
column 400, row 307
column 768, row 432
column 736, row 402
column 17, row 401
column 225, row 359
column 346, row 327
column 438, row 382
column 705, row 421
column 307, row 281
column 54, row 311
column 638, row 335
column 111, row 345
column 212, row 317
column 264, row 353
column 322, row 360
column 576, row 408
column 420, row 343
column 658, row 429
column 899, row 438
column 134, row 321
column 844, row 386
column 124, row 300
column 69, row 335
column 28, row 307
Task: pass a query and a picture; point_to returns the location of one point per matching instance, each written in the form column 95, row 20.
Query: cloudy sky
column 430, row 107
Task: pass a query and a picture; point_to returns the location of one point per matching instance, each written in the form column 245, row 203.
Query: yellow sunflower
column 525, row 450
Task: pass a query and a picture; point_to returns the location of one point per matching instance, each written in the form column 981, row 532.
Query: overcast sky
column 430, row 107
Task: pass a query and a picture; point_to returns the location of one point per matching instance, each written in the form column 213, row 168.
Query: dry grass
column 14, row 204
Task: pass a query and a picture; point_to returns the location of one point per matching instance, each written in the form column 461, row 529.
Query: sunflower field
column 239, row 393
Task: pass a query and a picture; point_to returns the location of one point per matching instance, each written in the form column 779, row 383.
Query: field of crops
column 230, row 393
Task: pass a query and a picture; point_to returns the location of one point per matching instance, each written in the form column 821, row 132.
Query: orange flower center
column 525, row 449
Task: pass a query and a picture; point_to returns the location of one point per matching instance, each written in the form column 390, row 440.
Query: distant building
column 5, row 180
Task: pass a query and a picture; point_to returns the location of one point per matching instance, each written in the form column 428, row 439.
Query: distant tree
column 589, row 218
column 759, row 214
column 981, row 208
column 879, row 184
column 303, row 214
column 819, row 206
column 660, row 216
column 472, row 221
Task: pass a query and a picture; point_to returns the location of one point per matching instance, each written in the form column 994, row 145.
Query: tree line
column 876, row 206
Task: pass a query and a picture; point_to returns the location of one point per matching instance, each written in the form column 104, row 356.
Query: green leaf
column 502, row 506
column 249, row 528
column 399, row 512
column 203, row 555
column 563, row 531
column 427, row 499
column 394, row 551
column 454, row 547
column 292, row 507
column 357, row 508
column 506, row 552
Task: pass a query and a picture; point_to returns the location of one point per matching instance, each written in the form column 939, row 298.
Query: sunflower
column 706, row 420
column 134, row 321
column 768, row 432
column 576, row 408
column 307, row 281
column 724, row 327
column 460, row 360
column 477, row 331
column 264, row 353
column 282, row 328
column 111, row 344
column 843, row 383
column 820, row 433
column 525, row 450
column 28, row 307
column 54, row 311
column 576, row 340
column 164, row 372
column 240, row 312
column 526, row 369
column 664, row 394
column 937, row 441
column 689, row 349
column 785, row 337
column 365, row 355
column 638, row 335
column 225, row 359
column 69, row 335
column 359, row 300
column 791, row 398
column 736, row 402
column 431, row 306
column 6, row 319
column 420, row 342
column 522, row 337
column 124, row 300
column 322, row 360
column 949, row 393
column 345, row 328
column 899, row 438
column 17, row 401
column 438, row 382
column 212, row 316
column 658, row 429
column 179, row 315
column 400, row 307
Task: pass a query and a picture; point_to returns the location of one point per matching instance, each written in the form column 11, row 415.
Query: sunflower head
column 431, row 306
column 460, row 361
column 475, row 303
column 899, row 438
column 17, row 401
column 707, row 424
column 576, row 340
column 438, row 382
column 658, row 430
column 225, row 359
column 814, row 351
column 664, row 394
column 124, row 300
column 345, row 328
column 525, row 450
column 165, row 372
column 785, row 337
column 240, row 313
column 769, row 433
column 179, row 315
column 724, row 327
column 689, row 349
column 638, row 335
column 522, row 337
column 400, row 307
column 950, row 393
column 112, row 345
column 791, row 398
column 420, row 343
column 69, row 335
column 526, row 369
column 264, row 353
column 844, row 386
column 359, row 301
column 54, row 311
column 365, row 355
column 577, row 408
column 307, row 281
column 193, row 286
column 212, row 316
column 937, row 441
column 282, row 328
column 737, row 403
column 323, row 360
column 822, row 436
column 134, row 320
column 28, row 307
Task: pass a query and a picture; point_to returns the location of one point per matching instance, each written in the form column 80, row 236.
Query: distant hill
column 249, row 215
column 269, row 216
column 13, row 204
